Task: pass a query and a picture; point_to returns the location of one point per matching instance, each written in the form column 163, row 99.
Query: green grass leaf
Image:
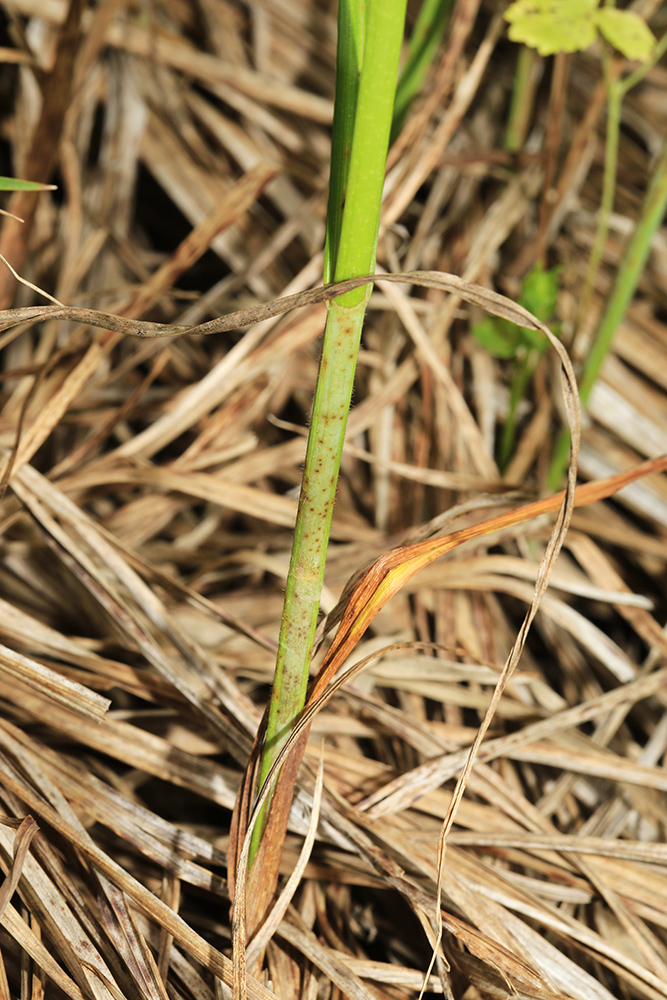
column 13, row 184
column 627, row 32
column 552, row 26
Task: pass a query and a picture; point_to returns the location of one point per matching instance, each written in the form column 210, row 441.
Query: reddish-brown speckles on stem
column 332, row 399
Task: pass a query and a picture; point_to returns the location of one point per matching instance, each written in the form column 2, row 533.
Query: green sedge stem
column 375, row 105
column 523, row 372
column 624, row 287
column 521, row 106
column 614, row 98
column 371, row 48
column 349, row 60
column 629, row 274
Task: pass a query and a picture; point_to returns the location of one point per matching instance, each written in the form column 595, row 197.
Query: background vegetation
column 147, row 520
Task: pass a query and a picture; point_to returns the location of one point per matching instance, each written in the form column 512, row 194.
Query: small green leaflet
column 539, row 295
column 627, row 32
column 552, row 26
column 505, row 340
column 13, row 184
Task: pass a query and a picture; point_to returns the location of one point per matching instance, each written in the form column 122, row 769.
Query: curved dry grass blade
column 394, row 568
column 24, row 835
column 477, row 295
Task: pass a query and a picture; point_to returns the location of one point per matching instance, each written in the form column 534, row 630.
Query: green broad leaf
column 499, row 338
column 13, row 184
column 627, row 32
column 552, row 26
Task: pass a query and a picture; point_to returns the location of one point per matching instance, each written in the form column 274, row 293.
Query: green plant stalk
column 521, row 106
column 354, row 255
column 616, row 91
column 375, row 103
column 426, row 37
column 614, row 99
column 521, row 376
column 625, row 286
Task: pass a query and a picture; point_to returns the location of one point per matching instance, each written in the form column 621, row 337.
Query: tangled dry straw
column 146, row 526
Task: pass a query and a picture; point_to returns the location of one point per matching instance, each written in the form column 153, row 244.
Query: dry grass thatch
column 146, row 528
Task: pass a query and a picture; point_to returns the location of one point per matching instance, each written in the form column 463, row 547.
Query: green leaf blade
column 14, row 184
